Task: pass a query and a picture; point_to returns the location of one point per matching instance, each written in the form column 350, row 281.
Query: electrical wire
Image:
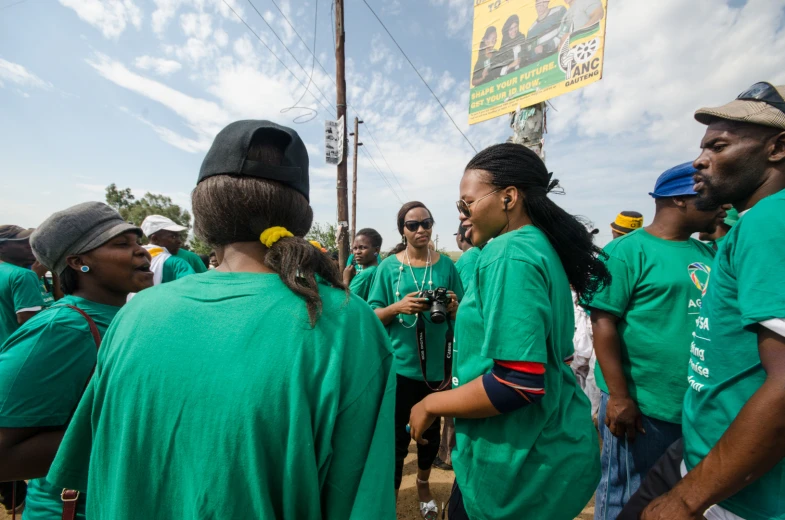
column 420, row 75
column 379, row 171
column 290, row 52
column 375, row 142
column 272, row 52
column 302, row 118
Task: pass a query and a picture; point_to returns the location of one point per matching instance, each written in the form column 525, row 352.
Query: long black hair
column 406, row 208
column 515, row 165
column 229, row 209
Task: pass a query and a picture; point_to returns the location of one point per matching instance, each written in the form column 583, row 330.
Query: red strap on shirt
column 523, row 366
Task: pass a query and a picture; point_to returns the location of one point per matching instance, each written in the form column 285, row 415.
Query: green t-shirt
column 394, row 277
column 193, row 260
column 43, row 370
column 656, row 292
column 362, row 282
column 466, row 266
column 543, row 460
column 176, row 268
column 746, row 287
column 46, row 291
column 19, row 290
column 214, row 397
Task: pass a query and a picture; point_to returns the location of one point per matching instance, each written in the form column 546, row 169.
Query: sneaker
column 440, row 464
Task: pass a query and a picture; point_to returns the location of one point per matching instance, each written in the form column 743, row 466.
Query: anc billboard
column 527, row 51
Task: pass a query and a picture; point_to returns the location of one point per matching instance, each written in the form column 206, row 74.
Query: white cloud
column 459, row 14
column 160, row 66
column 221, row 38
column 109, row 16
column 197, row 25
column 18, row 74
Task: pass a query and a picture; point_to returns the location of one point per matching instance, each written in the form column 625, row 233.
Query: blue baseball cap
column 675, row 182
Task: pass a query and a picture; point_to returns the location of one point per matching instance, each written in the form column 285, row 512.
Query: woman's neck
column 243, row 257
column 101, row 295
column 420, row 254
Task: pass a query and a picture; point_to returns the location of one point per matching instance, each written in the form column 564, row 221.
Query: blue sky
column 133, row 91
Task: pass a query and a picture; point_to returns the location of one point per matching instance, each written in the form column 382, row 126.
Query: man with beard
column 730, row 465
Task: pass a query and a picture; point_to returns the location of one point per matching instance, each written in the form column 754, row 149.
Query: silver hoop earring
column 84, row 269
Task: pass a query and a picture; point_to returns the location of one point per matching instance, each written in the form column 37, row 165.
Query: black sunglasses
column 765, row 92
column 414, row 225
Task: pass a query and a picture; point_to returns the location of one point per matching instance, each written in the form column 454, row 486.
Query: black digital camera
column 438, row 299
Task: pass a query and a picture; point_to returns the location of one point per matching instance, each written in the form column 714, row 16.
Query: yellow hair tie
column 272, row 235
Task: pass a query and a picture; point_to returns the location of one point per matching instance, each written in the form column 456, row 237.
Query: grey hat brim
column 93, row 242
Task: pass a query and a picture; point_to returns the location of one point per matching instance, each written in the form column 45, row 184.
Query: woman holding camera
column 526, row 445
column 402, row 301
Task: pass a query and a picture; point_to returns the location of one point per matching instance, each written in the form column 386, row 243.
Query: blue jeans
column 624, row 464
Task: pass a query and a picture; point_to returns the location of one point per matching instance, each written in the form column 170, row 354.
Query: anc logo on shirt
column 699, row 274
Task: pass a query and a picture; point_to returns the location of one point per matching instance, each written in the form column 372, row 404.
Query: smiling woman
column 46, row 363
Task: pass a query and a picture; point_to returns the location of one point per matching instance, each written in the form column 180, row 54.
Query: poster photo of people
column 527, row 51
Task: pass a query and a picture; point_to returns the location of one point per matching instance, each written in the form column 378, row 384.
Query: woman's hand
column 419, row 421
column 349, row 273
column 452, row 307
column 412, row 304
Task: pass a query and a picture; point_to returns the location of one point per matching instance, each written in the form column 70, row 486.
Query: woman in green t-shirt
column 410, row 270
column 359, row 274
column 526, row 445
column 250, row 391
column 46, row 363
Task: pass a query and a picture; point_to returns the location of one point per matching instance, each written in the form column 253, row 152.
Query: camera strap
column 423, row 354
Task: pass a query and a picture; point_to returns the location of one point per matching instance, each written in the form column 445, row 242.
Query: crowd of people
column 142, row 381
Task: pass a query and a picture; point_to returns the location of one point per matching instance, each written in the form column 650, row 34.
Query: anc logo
column 699, row 274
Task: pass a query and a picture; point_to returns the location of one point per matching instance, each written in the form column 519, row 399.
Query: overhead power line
column 273, row 52
column 420, row 75
column 384, row 178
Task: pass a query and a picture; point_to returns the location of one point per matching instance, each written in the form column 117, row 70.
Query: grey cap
column 76, row 230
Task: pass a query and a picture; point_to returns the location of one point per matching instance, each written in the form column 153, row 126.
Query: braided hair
column 515, row 165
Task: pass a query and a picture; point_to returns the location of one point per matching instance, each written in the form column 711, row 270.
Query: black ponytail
column 406, row 208
column 515, row 165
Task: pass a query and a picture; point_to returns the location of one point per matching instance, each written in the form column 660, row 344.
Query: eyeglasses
column 414, row 225
column 465, row 207
column 765, row 92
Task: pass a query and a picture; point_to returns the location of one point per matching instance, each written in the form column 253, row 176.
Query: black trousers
column 407, row 394
column 455, row 507
column 660, row 479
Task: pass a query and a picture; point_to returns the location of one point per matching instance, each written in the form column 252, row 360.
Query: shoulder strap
column 69, row 497
column 91, row 324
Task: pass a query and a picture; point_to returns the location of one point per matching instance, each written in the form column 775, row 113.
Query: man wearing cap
column 20, row 293
column 723, row 228
column 731, row 459
column 626, row 222
column 641, row 325
column 165, row 244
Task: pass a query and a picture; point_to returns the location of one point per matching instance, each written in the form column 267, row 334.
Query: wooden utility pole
column 357, row 144
column 340, row 80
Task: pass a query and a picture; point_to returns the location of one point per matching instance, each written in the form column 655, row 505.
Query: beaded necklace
column 420, row 287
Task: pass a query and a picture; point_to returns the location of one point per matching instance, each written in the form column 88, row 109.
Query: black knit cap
column 227, row 155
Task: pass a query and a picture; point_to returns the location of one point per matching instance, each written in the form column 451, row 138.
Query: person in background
column 196, row 261
column 48, row 282
column 544, row 33
column 642, row 325
column 723, row 228
column 288, row 416
column 526, row 447
column 213, row 260
column 365, row 251
column 20, row 299
column 397, row 298
column 486, row 69
column 165, row 242
column 468, row 261
column 205, row 262
column 46, row 364
column 510, row 57
column 626, row 222
column 581, row 14
column 730, row 464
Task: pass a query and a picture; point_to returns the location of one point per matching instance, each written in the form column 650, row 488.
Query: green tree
column 135, row 211
column 200, row 247
column 324, row 234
